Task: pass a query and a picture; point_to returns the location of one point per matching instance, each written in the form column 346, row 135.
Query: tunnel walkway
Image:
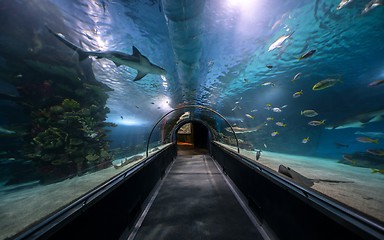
column 195, row 202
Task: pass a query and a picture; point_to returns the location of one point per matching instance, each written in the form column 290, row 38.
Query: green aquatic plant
column 70, row 104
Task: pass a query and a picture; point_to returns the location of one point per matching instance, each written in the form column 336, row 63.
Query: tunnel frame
column 189, row 107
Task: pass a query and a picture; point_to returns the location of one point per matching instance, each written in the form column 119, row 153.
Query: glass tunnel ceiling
column 216, row 54
column 225, row 55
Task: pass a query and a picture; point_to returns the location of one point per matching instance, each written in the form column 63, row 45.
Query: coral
column 70, row 104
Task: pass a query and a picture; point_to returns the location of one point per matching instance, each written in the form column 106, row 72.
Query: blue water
column 216, row 54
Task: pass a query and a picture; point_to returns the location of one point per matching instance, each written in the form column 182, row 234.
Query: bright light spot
column 129, row 122
column 246, row 7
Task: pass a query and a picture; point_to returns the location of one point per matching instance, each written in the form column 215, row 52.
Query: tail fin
column 82, row 54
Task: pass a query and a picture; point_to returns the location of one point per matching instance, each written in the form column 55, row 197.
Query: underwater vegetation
column 64, row 129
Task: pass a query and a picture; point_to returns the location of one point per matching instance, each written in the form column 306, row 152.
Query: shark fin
column 366, row 120
column 136, row 52
column 82, row 54
column 139, row 76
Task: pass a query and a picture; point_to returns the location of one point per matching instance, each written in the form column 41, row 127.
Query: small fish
column 307, row 54
column 254, row 110
column 284, row 106
column 278, row 42
column 376, row 152
column 377, row 170
column 269, row 66
column 367, row 140
column 371, row 134
column 309, row 113
column 268, row 83
column 19, row 76
column 305, row 140
column 342, row 4
column 340, row 145
column 326, row 83
column 297, row 94
column 270, row 118
column 249, row 116
column 296, row 77
column 121, row 117
column 349, row 158
column 281, row 124
column 371, row 5
column 275, row 133
column 276, row 110
column 316, row 123
column 265, row 145
column 376, row 83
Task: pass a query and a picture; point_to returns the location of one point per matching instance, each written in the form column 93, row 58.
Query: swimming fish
column 269, row 66
column 371, row 5
column 307, row 54
column 240, row 130
column 305, row 140
column 280, row 124
column 316, row 123
column 340, row 145
column 296, row 77
column 249, row 116
column 268, row 83
column 309, row 113
column 297, row 94
column 367, row 140
column 279, row 41
column 342, row 4
column 270, row 118
column 276, row 110
column 326, row 83
column 275, row 133
column 359, row 121
column 377, row 170
column 376, row 152
column 136, row 61
column 371, row 134
column 376, row 83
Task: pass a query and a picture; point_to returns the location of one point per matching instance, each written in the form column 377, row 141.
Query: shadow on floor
column 185, row 149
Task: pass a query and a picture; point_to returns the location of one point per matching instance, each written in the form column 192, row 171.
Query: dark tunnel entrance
column 193, row 136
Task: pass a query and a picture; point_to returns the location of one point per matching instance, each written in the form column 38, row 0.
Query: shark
column 240, row 130
column 358, row 121
column 136, row 61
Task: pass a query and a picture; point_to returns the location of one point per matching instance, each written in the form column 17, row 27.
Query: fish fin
column 81, row 53
column 366, row 120
column 376, row 141
column 139, row 76
column 136, row 52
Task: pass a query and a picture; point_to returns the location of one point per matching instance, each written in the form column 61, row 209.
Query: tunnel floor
column 195, row 202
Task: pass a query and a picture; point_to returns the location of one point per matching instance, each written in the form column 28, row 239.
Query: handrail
column 186, row 107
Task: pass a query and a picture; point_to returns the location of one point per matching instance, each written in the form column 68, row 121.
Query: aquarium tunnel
column 191, row 119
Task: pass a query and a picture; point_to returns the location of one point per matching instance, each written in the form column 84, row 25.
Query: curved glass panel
column 82, row 83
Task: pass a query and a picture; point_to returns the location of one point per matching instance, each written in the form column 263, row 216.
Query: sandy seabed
column 362, row 190
column 21, row 208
